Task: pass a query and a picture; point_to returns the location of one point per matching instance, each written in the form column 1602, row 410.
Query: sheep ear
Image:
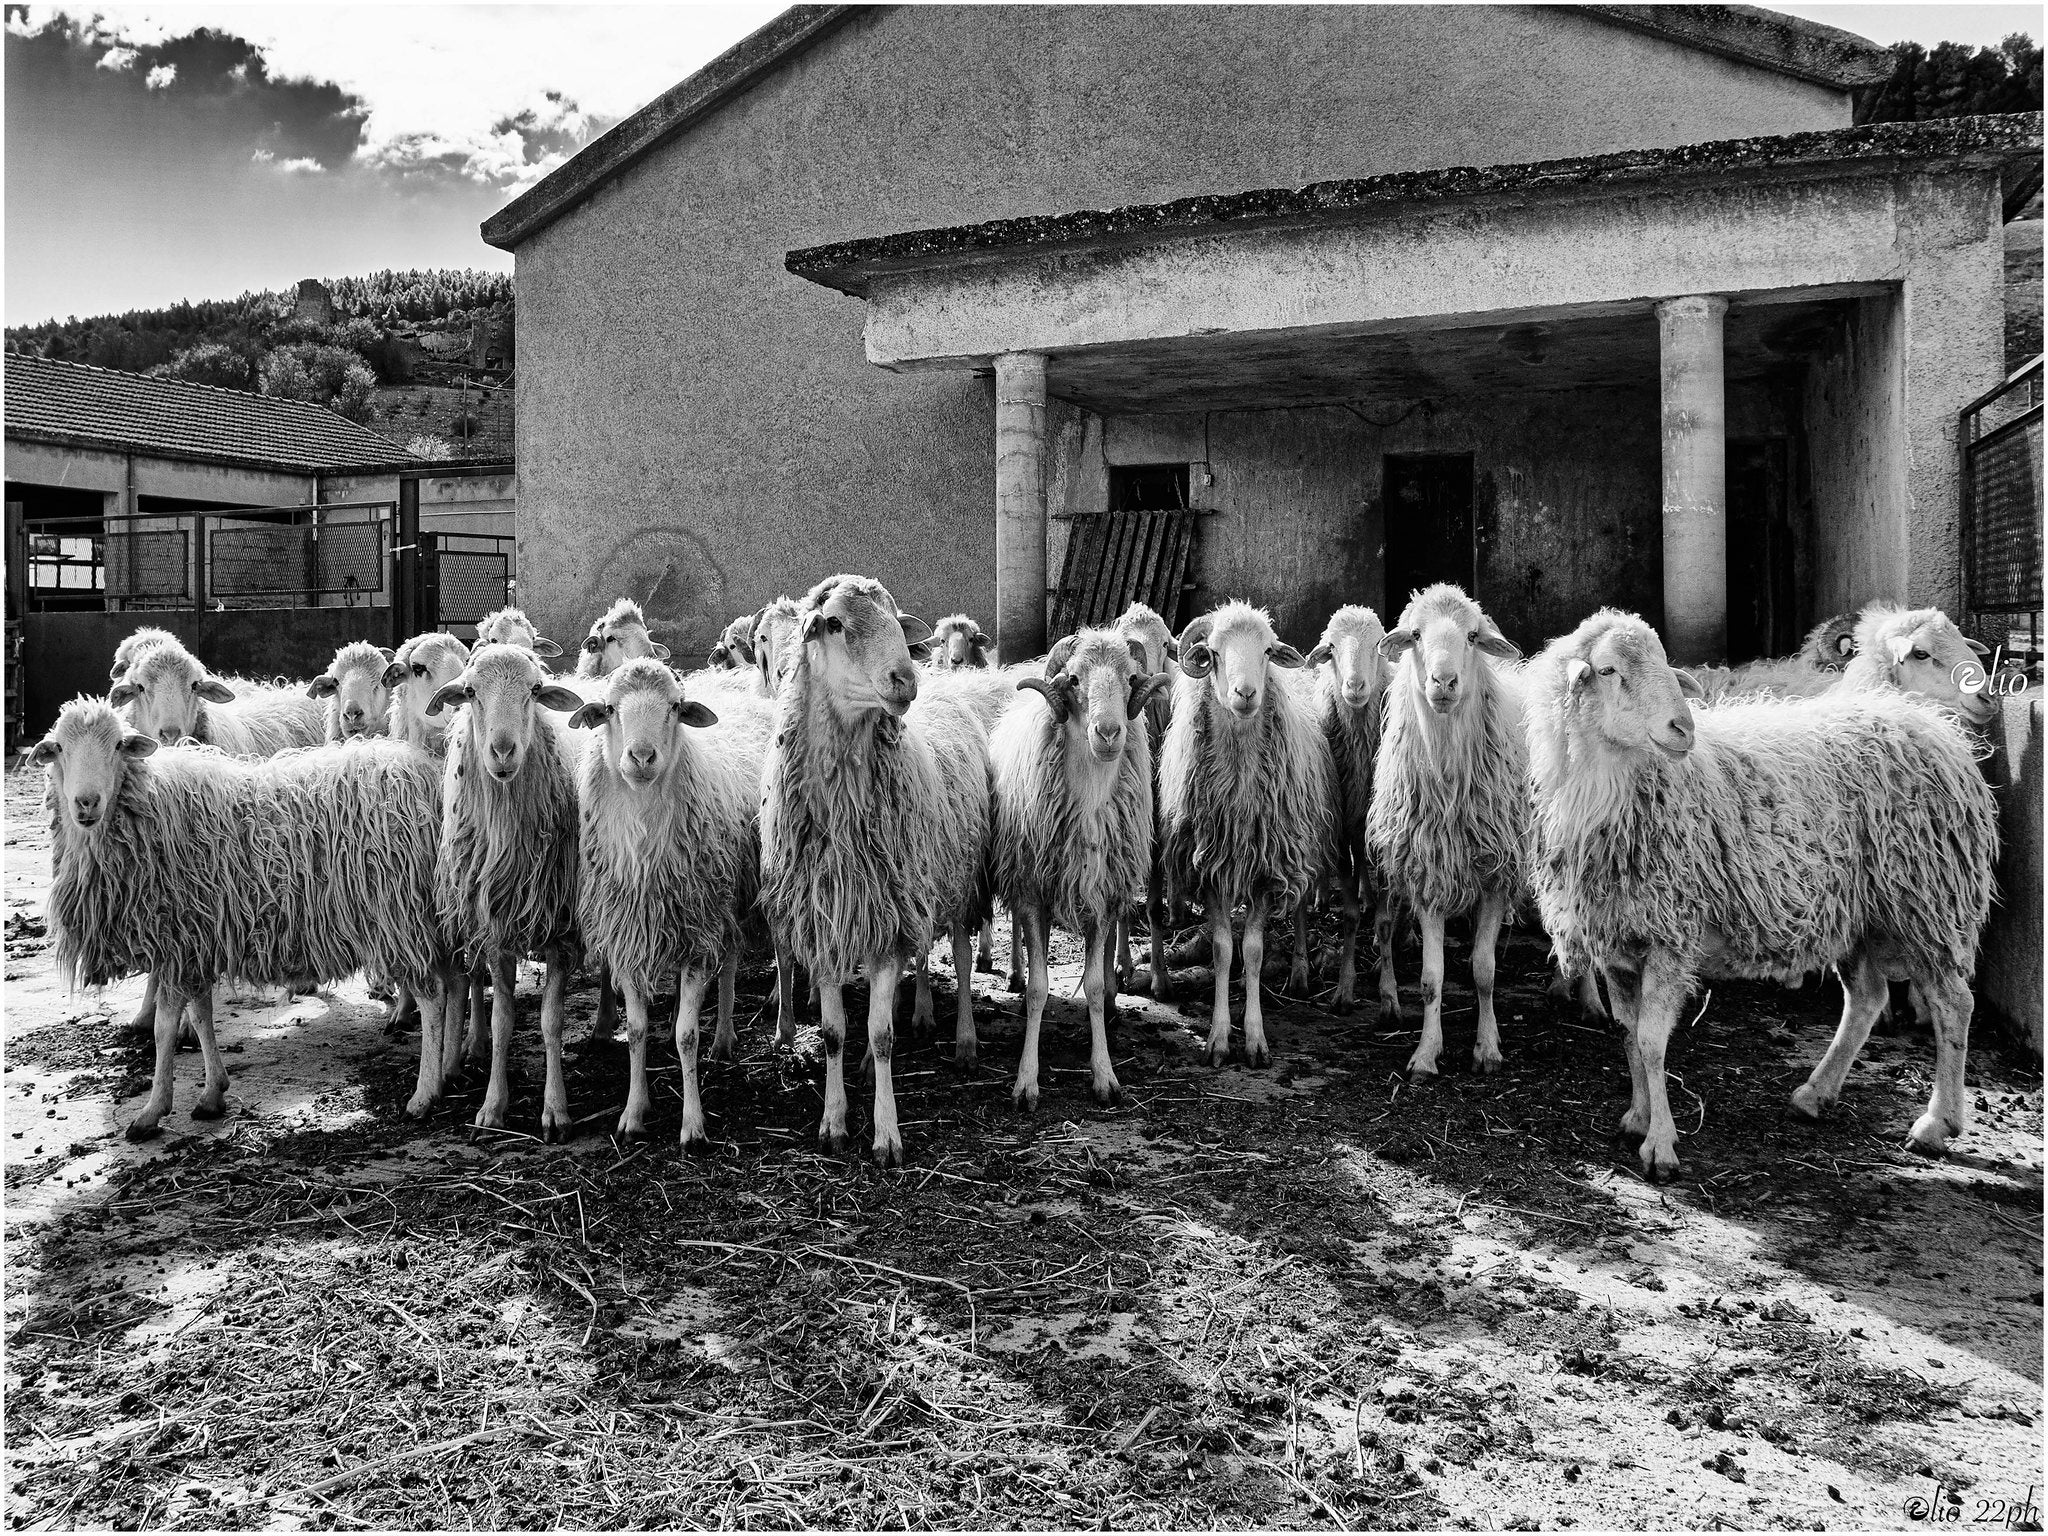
column 978, row 639
column 1977, row 645
column 1281, row 654
column 1051, row 692
column 135, row 744
column 1398, row 643
column 1143, row 687
column 45, row 752
column 394, row 674
column 1138, row 657
column 1845, row 645
column 1496, row 644
column 121, row 693
column 657, row 650
column 555, row 696
column 1688, row 685
column 214, row 691
column 915, row 630
column 1197, row 660
column 690, row 712
column 1319, row 655
column 718, row 655
column 542, row 646
column 457, row 692
column 811, row 626
column 921, row 650
column 590, row 717
column 1577, row 670
column 1057, row 658
column 323, row 687
column 1172, row 649
column 593, row 642
column 115, row 674
column 386, row 652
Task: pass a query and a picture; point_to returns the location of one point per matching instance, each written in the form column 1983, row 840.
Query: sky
column 186, row 151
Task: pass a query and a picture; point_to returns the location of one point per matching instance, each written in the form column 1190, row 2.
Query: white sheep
column 1921, row 652
column 1812, row 669
column 616, row 637
column 874, row 823
column 505, row 881
column 168, row 693
column 1346, row 688
column 1762, row 839
column 733, row 650
column 669, row 791
column 134, row 641
column 1449, row 805
column 511, row 626
column 195, row 866
column 1142, row 625
column 1246, row 798
column 1073, row 823
column 357, row 698
column 959, row 644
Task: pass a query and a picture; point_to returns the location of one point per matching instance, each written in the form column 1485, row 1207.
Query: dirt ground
column 1309, row 1296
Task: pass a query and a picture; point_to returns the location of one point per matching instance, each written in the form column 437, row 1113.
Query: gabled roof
column 74, row 405
column 2011, row 142
column 1788, row 45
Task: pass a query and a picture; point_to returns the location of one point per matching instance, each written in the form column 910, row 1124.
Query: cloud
column 301, row 167
column 117, row 58
column 160, row 77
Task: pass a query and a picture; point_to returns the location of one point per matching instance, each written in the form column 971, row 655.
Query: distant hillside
column 393, row 350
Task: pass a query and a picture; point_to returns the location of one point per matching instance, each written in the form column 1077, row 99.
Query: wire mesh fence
column 2001, row 524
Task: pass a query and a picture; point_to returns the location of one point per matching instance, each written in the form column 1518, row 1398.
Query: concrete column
column 1020, row 506
column 1695, row 479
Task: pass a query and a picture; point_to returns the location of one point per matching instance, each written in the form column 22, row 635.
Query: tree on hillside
column 331, row 376
column 1956, row 80
column 208, row 363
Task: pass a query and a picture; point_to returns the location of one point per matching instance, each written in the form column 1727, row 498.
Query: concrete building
column 1689, row 339
column 264, row 531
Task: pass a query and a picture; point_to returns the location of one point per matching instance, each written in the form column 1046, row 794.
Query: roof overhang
column 1748, row 34
column 1286, row 295
column 86, row 442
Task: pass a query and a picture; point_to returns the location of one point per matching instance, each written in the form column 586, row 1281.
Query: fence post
column 198, row 563
column 405, row 578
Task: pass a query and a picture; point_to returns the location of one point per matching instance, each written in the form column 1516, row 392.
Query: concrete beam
column 1020, row 506
column 1695, row 423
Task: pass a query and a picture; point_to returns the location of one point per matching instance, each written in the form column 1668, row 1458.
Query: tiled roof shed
column 73, row 405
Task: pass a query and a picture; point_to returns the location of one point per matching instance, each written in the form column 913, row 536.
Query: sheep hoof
column 1258, row 1055
column 1109, row 1093
column 1297, row 980
column 1216, row 1055
column 1929, row 1136
column 1807, row 1100
column 632, row 1135
column 726, row 1051
column 1659, row 1163
column 489, row 1118
column 832, row 1143
column 1390, row 1012
column 204, row 1110
column 1487, row 1064
column 141, row 1130
column 985, row 964
column 554, row 1132
column 1014, row 981
column 1420, row 1069
column 889, row 1152
column 1025, row 1096
column 1345, row 997
column 965, row 1053
column 696, row 1143
column 420, row 1105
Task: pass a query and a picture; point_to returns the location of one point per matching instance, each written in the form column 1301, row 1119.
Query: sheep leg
column 1155, row 921
column 170, row 1008
column 1589, row 997
column 985, row 953
column 966, row 1046
column 606, row 1023
column 490, row 1114
column 555, row 1124
column 785, row 995
column 1346, row 995
column 725, row 1043
column 1383, row 935
column 453, row 1022
column 1298, row 973
column 633, row 1120
column 1865, row 993
column 1120, row 944
column 1026, row 926
column 1015, row 980
column 1423, row 1062
column 689, row 1004
column 832, row 1024
column 1095, row 984
column 144, row 1022
column 437, row 1017
column 1664, row 993
column 1256, row 1052
column 476, row 1042
column 1485, row 938
column 212, row 1101
column 1221, row 949
column 1625, row 987
column 882, row 979
column 403, row 1006
column 1948, row 998
column 922, row 1021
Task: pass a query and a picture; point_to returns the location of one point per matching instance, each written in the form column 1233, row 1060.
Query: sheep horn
column 1195, row 658
column 1057, row 658
column 1053, row 692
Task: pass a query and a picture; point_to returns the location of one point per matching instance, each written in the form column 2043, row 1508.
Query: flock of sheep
column 845, row 784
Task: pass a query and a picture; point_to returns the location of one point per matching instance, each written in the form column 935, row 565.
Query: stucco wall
column 2009, row 973
column 693, row 419
column 89, row 469
column 1857, row 459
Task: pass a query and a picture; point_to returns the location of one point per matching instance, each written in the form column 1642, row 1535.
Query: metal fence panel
column 248, row 559
column 2001, row 524
column 471, row 583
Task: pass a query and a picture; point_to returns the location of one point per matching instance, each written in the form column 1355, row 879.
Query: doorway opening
column 1428, row 520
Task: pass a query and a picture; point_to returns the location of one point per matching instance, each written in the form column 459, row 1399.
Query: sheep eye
column 834, row 625
column 1471, row 637
column 418, row 670
column 1607, row 671
column 1919, row 654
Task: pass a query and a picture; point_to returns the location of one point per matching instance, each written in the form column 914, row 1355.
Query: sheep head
column 857, row 643
column 1439, row 645
column 422, row 667
column 163, row 690
column 1095, row 683
column 773, row 641
column 1831, row 643
column 1140, row 623
column 504, row 689
column 958, row 644
column 131, row 644
column 86, row 755
column 354, row 680
column 511, row 626
column 618, row 637
column 642, row 709
column 1616, row 687
column 735, row 647
column 1351, row 648
column 1233, row 647
column 1920, row 651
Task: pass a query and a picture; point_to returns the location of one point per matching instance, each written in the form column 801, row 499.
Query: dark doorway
column 1428, row 502
column 1148, row 487
column 1762, row 590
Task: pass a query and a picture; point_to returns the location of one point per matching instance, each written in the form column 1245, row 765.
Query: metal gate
column 465, row 577
column 1115, row 559
column 2001, row 517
